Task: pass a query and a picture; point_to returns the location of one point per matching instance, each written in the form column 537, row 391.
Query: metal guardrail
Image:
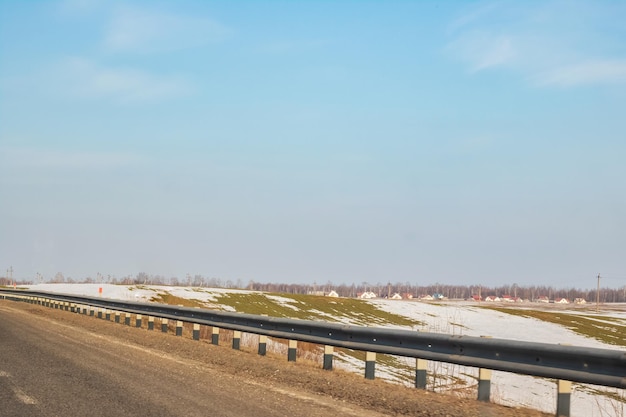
column 604, row 367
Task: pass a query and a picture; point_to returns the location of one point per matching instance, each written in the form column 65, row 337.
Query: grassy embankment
column 309, row 307
column 606, row 329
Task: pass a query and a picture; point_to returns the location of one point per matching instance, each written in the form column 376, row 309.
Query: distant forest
column 458, row 292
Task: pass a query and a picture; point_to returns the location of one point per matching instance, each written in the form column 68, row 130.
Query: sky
column 315, row 141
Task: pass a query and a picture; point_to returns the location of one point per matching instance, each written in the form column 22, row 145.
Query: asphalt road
column 49, row 368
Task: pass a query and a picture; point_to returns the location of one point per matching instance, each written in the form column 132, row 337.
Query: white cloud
column 146, row 31
column 482, row 51
column 590, row 72
column 88, row 79
column 548, row 44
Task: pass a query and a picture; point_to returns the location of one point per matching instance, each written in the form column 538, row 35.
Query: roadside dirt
column 275, row 372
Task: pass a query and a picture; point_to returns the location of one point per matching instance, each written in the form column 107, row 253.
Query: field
column 548, row 323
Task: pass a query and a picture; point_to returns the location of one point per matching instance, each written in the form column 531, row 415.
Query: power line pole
column 598, row 294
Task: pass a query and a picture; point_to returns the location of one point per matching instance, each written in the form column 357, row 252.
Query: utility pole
column 11, row 275
column 598, row 294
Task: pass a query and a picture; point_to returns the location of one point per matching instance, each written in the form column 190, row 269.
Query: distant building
column 366, row 295
column 333, row 293
column 543, row 299
column 561, row 301
column 580, row 301
column 396, row 296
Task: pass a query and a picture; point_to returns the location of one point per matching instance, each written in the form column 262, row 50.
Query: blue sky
column 351, row 141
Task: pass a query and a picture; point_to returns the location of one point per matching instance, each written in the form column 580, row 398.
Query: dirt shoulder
column 270, row 371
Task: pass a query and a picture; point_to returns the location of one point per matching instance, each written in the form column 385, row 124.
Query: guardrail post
column 262, row 344
column 179, row 328
column 138, row 320
column 370, row 365
column 563, row 398
column 484, row 384
column 150, row 323
column 564, row 393
column 215, row 336
column 236, row 339
column 99, row 313
column 107, row 315
column 328, row 357
column 196, row 331
column 117, row 316
column 92, row 311
column 127, row 319
column 164, row 323
column 292, row 350
column 420, row 373
column 66, row 306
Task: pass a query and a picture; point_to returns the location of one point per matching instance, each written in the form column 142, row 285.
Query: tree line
column 458, row 292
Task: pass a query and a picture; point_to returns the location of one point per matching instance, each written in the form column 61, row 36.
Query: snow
column 457, row 318
column 461, row 318
column 284, row 301
column 467, row 319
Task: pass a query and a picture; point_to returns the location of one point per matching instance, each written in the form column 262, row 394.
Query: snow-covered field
column 459, row 318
